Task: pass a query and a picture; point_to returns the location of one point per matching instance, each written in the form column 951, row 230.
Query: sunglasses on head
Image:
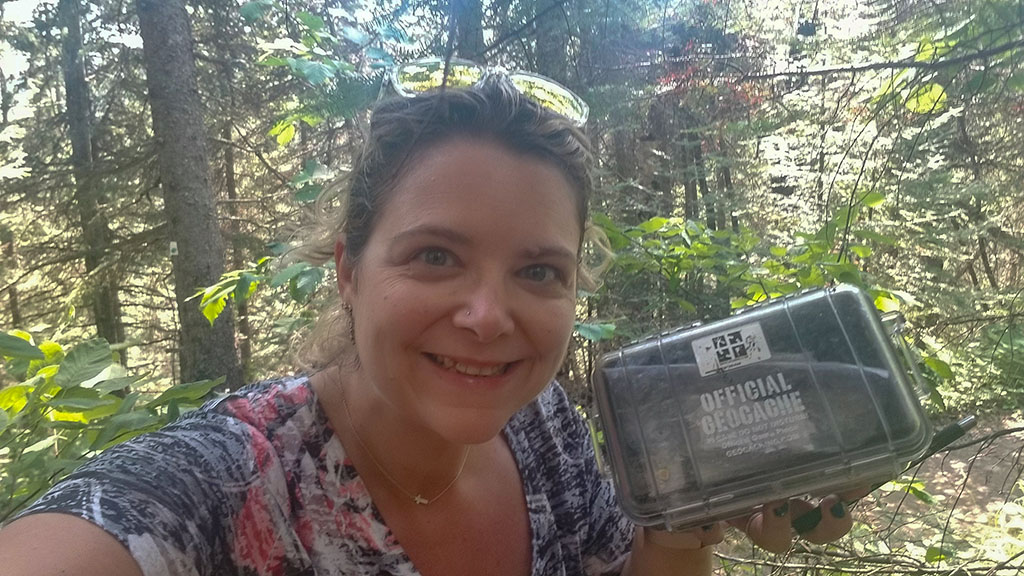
column 428, row 74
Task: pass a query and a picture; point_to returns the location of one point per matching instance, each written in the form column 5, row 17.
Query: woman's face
column 464, row 297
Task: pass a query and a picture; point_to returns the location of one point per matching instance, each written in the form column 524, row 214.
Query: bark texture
column 469, row 29
column 552, row 40
column 205, row 351
column 103, row 291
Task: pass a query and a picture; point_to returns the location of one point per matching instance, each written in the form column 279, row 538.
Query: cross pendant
column 420, row 500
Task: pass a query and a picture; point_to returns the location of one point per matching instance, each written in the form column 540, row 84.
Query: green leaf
column 982, row 81
column 14, row 398
column 303, row 284
column 873, row 199
column 85, row 361
column 315, row 73
column 847, row 273
column 656, row 223
column 286, row 135
column 285, row 276
column 1016, row 81
column 255, row 9
column 273, row 61
column 392, row 32
column 246, row 286
column 114, row 384
column 928, row 98
column 214, row 301
column 308, row 194
column 4, row 420
column 42, row 444
column 917, row 491
column 312, row 21
column 54, row 351
column 932, row 51
column 778, row 251
column 895, row 83
column 379, row 55
column 886, row 304
column 941, row 369
column 355, row 35
column 312, row 171
column 14, row 347
column 191, row 392
column 862, row 251
column 79, row 403
column 935, row 554
column 121, row 427
column 595, row 332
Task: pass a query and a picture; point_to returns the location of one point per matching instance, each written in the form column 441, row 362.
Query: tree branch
column 890, row 65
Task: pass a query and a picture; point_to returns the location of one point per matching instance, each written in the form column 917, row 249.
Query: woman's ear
column 346, row 272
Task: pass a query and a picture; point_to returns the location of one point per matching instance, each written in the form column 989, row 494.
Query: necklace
column 417, row 498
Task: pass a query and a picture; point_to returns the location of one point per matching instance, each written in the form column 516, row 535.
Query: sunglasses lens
column 552, row 96
column 423, row 76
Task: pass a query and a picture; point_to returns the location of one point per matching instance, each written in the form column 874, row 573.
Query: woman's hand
column 771, row 525
column 692, row 539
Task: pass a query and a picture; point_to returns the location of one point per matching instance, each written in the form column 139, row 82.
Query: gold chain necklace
column 417, row 498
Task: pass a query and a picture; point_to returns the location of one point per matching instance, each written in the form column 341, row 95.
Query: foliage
column 65, row 406
column 744, row 150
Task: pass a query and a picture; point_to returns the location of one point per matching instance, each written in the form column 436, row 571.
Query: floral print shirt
column 257, row 484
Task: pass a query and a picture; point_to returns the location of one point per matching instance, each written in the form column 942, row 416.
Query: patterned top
column 257, row 484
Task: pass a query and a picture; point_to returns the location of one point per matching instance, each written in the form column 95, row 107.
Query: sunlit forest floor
column 965, row 516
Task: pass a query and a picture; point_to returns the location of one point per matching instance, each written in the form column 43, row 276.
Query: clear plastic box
column 800, row 395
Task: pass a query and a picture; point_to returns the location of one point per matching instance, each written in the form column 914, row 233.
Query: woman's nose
column 486, row 312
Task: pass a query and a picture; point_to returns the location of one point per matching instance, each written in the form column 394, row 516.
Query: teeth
column 470, row 370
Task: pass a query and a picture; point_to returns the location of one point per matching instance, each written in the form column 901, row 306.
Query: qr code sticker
column 731, row 349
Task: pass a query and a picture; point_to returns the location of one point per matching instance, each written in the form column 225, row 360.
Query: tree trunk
column 206, row 351
column 103, row 296
column 237, row 248
column 6, row 100
column 7, row 239
column 656, row 163
column 469, row 29
column 691, row 201
column 975, row 211
column 701, row 175
column 726, row 190
column 552, row 39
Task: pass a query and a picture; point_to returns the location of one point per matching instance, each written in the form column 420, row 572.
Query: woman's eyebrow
column 431, row 230
column 552, row 251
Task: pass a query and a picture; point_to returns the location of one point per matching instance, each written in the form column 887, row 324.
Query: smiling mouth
column 469, row 369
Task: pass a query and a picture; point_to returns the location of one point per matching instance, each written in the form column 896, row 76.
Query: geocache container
column 801, row 395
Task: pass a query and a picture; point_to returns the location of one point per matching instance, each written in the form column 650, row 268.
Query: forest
column 159, row 158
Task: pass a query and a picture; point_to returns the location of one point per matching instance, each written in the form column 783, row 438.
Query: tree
column 105, row 304
column 206, row 351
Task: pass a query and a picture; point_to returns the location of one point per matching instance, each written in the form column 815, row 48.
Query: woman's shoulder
column 282, row 415
column 267, row 405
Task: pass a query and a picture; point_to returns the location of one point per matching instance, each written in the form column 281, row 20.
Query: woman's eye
column 435, row 257
column 541, row 273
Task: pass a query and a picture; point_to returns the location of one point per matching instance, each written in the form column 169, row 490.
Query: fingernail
column 781, row 510
column 838, row 509
column 707, row 527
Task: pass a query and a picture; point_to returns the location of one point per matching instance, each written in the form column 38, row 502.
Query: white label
column 731, row 349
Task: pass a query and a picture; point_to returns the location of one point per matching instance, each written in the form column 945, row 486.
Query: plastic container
column 800, row 395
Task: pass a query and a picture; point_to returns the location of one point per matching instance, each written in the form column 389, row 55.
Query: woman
column 432, row 439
